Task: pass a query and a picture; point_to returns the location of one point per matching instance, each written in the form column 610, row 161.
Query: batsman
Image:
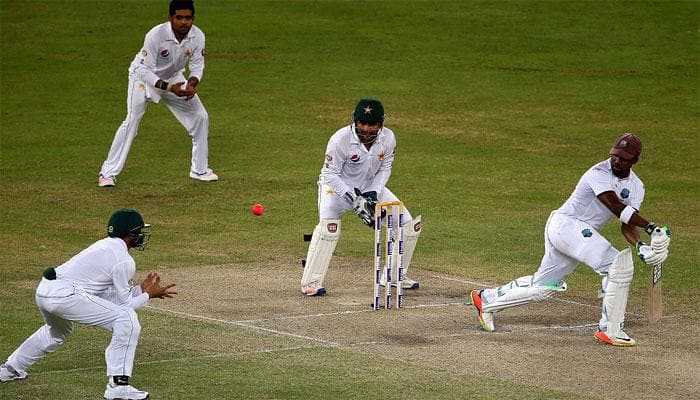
column 355, row 172
column 609, row 189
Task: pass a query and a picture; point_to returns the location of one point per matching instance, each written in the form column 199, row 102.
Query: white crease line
column 244, row 325
column 459, row 280
column 219, row 355
column 347, row 312
column 555, row 327
column 553, row 299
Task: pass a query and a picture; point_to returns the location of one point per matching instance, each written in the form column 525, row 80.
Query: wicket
column 390, row 239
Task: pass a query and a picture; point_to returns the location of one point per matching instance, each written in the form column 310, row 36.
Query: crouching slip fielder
column 93, row 288
column 608, row 189
column 157, row 72
column 354, row 176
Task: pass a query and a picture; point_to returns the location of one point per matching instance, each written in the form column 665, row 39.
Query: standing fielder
column 608, row 189
column 156, row 73
column 93, row 288
column 354, row 176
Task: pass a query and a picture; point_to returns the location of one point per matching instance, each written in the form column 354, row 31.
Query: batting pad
column 318, row 258
column 617, row 290
column 521, row 291
column 412, row 230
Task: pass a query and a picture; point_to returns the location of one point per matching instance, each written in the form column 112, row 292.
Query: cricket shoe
column 106, row 181
column 124, row 392
column 407, row 283
column 485, row 318
column 313, row 289
column 208, row 176
column 9, row 373
column 621, row 340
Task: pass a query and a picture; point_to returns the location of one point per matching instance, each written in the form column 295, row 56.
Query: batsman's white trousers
column 62, row 303
column 568, row 242
column 190, row 113
column 332, row 206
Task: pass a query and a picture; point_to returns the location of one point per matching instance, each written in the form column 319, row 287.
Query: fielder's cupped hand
column 151, row 285
column 183, row 89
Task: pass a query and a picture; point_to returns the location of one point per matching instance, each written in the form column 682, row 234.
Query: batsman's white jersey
column 350, row 165
column 163, row 57
column 571, row 233
column 583, row 204
column 92, row 288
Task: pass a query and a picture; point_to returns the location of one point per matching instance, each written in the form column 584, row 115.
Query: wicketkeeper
column 94, row 288
column 609, row 189
column 355, row 172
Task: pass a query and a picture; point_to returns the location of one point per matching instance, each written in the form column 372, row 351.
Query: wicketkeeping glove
column 363, row 208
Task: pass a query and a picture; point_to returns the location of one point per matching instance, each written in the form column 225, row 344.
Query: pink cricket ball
column 257, row 209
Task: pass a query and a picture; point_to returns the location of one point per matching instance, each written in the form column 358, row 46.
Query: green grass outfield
column 498, row 108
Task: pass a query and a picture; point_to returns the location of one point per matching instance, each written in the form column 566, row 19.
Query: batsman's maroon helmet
column 628, row 146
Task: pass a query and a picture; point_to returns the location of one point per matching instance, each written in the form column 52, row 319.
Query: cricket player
column 156, row 73
column 355, row 172
column 93, row 288
column 609, row 189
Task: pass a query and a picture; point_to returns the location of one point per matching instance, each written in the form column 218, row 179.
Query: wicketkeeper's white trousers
column 332, row 206
column 190, row 113
column 61, row 303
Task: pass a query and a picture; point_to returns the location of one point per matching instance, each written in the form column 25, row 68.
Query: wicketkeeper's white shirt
column 350, row 165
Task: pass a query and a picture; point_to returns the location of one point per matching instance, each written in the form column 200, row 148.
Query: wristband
column 650, row 228
column 626, row 214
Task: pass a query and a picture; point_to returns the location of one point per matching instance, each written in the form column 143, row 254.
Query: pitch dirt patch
column 546, row 344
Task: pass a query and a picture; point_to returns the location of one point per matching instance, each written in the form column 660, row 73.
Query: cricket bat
column 655, row 307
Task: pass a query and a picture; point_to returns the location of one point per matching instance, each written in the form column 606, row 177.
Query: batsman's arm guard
column 522, row 291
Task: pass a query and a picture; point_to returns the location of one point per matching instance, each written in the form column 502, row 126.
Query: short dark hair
column 181, row 5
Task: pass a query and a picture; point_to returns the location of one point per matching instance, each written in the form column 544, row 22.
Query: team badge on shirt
column 165, row 53
column 188, row 53
column 381, row 156
column 625, row 193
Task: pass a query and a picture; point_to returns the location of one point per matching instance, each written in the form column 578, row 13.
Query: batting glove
column 647, row 254
column 660, row 239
